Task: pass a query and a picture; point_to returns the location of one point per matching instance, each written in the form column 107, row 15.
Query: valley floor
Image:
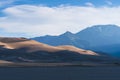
column 60, row 73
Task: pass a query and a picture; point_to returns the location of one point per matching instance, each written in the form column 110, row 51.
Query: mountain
column 26, row 50
column 102, row 38
column 66, row 38
column 99, row 38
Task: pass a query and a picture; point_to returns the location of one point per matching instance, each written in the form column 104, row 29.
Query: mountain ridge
column 91, row 38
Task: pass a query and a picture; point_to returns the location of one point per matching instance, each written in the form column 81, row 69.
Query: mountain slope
column 66, row 38
column 102, row 38
column 99, row 38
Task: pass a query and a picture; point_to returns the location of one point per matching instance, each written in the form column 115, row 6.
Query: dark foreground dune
column 60, row 73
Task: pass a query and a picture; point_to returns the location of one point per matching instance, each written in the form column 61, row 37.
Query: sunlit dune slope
column 33, row 46
column 3, row 61
column 75, row 49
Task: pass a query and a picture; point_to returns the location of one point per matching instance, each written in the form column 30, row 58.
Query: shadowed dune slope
column 26, row 50
column 33, row 46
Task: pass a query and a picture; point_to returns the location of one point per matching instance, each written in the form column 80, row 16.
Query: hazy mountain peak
column 101, row 29
column 67, row 33
column 105, row 27
column 108, row 25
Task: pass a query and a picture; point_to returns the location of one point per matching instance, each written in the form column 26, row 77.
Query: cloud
column 43, row 20
column 109, row 2
column 6, row 2
column 89, row 4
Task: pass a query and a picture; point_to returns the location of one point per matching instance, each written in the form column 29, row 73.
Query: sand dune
column 32, row 46
column 3, row 61
column 5, row 45
column 75, row 49
column 26, row 50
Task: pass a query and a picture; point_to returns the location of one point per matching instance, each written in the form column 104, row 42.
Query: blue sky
column 29, row 18
column 59, row 2
column 52, row 3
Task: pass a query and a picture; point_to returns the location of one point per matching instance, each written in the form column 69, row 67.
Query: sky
column 31, row 18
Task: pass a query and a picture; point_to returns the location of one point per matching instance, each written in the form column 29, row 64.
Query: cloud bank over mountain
column 37, row 20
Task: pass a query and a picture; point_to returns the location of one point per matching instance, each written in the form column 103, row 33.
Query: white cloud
column 42, row 20
column 89, row 4
column 6, row 2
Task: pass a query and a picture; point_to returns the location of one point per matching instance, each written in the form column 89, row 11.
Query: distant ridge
column 99, row 38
